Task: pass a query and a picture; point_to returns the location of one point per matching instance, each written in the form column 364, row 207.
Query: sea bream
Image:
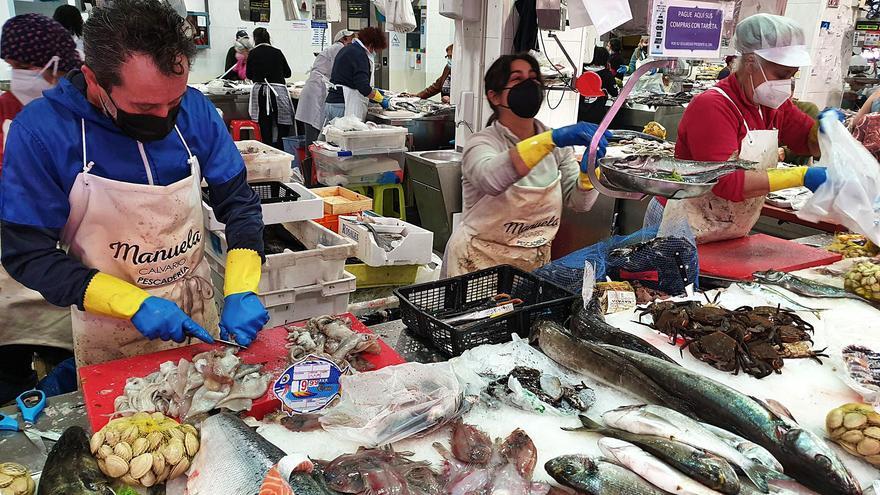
column 70, row 468
column 597, row 476
column 652, row 469
column 233, row 458
column 805, row 456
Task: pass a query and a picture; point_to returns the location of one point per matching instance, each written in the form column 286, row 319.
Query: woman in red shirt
column 748, row 115
column 39, row 50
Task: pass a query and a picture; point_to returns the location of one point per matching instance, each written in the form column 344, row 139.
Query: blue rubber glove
column 386, row 103
column 159, row 318
column 243, row 316
column 580, row 134
column 622, row 70
column 815, row 177
column 839, row 114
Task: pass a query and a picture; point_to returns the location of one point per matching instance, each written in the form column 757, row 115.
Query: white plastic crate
column 309, row 206
column 416, row 248
column 324, row 258
column 333, row 169
column 302, row 303
column 264, row 162
column 381, row 137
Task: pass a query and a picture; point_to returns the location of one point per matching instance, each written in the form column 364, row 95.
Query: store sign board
column 682, row 28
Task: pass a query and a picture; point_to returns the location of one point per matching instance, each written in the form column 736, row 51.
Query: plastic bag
column 393, row 403
column 851, row 194
column 399, row 15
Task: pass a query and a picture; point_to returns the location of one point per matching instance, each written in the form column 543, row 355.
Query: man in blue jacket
column 109, row 166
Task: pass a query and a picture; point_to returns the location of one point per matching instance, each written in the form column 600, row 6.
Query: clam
column 139, row 446
column 834, row 419
column 191, row 443
column 868, row 446
column 162, row 475
column 154, row 439
column 140, row 465
column 111, row 437
column 157, row 416
column 5, row 480
column 19, row 485
column 148, row 479
column 158, row 462
column 130, row 435
column 179, row 468
column 104, row 451
column 188, row 428
column 854, row 420
column 96, row 441
column 174, row 451
column 13, row 469
column 128, row 480
column 123, row 450
column 116, row 466
column 852, row 436
column 176, row 433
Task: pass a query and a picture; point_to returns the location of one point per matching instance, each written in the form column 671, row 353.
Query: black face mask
column 143, row 127
column 525, row 98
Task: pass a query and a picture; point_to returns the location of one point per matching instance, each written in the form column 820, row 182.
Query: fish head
column 824, row 463
column 768, row 276
column 567, row 467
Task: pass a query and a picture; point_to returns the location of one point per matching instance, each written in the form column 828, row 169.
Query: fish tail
column 761, row 476
column 589, row 424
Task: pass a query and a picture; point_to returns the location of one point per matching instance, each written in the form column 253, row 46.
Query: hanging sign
column 308, row 385
column 682, row 28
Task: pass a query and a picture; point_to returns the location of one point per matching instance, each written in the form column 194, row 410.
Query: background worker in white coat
column 352, row 77
column 517, row 175
column 310, row 111
column 109, row 163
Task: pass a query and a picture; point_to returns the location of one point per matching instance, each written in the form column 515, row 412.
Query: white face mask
column 771, row 94
column 28, row 84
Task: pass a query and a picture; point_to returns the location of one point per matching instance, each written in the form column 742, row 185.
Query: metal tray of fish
column 665, row 176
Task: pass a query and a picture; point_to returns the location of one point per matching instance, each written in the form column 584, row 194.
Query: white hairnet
column 774, row 38
column 342, row 34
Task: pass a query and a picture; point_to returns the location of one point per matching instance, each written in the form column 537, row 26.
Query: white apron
column 355, row 103
column 311, row 100
column 514, row 228
column 716, row 219
column 151, row 236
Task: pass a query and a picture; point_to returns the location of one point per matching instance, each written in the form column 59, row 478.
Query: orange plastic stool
column 238, row 125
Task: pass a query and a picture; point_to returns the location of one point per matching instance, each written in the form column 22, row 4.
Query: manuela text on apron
column 153, row 260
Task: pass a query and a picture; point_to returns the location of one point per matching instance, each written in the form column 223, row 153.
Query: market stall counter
column 430, row 130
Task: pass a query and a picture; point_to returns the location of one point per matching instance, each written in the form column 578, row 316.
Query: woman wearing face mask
column 351, row 81
column 443, row 84
column 748, row 115
column 517, row 176
column 40, row 51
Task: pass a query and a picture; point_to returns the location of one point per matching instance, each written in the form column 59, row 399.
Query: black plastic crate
column 269, row 192
column 423, row 305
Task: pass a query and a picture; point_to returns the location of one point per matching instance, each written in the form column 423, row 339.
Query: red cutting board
column 738, row 259
column 102, row 383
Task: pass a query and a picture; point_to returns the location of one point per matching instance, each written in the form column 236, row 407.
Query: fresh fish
column 666, row 423
column 749, row 449
column 470, row 445
column 520, row 451
column 596, row 476
column 770, row 293
column 70, row 468
column 705, row 467
column 802, row 286
column 594, row 359
column 805, row 456
column 688, row 170
column 652, row 469
column 590, row 326
column 232, row 460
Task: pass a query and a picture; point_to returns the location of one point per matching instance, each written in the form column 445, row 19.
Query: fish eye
column 570, row 470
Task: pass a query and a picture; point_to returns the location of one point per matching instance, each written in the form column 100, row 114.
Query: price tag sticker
column 308, row 385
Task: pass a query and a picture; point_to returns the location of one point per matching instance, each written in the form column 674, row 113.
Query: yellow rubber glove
column 784, row 178
column 535, row 148
column 585, row 183
column 377, row 96
column 111, row 296
column 243, row 271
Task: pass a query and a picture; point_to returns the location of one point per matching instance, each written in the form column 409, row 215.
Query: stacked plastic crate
column 304, row 281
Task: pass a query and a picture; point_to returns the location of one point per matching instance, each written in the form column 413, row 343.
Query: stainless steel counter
column 234, row 107
column 61, row 412
column 432, row 132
